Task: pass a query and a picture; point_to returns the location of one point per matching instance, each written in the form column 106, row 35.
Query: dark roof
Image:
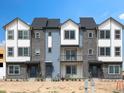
column 69, row 20
column 17, row 18
column 53, row 23
column 39, row 23
column 88, row 23
column 111, row 18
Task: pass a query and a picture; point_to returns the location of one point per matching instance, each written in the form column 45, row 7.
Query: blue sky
column 63, row 9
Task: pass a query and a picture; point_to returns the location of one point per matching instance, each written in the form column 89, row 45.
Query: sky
column 63, row 9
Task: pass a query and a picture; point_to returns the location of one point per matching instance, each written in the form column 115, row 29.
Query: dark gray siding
column 111, row 76
column 89, row 43
column 38, row 44
column 23, row 71
column 54, row 56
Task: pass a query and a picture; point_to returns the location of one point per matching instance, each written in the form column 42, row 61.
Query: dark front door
column 49, row 69
column 95, row 70
column 33, row 71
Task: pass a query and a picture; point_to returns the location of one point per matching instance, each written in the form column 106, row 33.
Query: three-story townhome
column 17, row 48
column 110, row 48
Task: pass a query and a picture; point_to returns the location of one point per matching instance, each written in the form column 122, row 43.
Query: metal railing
column 71, row 58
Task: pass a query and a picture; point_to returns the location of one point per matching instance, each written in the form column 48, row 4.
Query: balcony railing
column 71, row 58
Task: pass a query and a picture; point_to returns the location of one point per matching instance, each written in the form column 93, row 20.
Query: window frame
column 105, row 35
column 117, row 34
column 89, row 35
column 117, row 51
column 9, row 51
column 37, row 52
column 37, row 34
column 10, row 35
column 71, row 70
column 69, row 35
column 14, row 66
column 105, row 53
column 89, row 52
column 23, row 51
column 23, row 36
column 114, row 69
column 49, row 50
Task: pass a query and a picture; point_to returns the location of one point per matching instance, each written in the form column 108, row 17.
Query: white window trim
column 117, row 51
column 104, row 34
column 12, row 34
column 71, row 69
column 89, row 33
column 118, row 34
column 70, row 34
column 23, row 30
column 8, row 51
column 114, row 70
column 37, row 52
column 23, row 52
column 104, row 51
column 13, row 73
column 36, row 35
column 92, row 51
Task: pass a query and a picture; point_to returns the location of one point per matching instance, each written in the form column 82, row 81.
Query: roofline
column 111, row 18
column 17, row 18
column 69, row 20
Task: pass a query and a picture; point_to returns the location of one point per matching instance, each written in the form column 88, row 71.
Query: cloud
column 121, row 16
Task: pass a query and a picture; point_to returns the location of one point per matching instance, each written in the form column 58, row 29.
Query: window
column 1, row 56
column 105, row 34
column 69, row 34
column 90, row 35
column 37, row 52
column 10, row 51
column 117, row 34
column 1, row 64
column 90, row 52
column 114, row 69
column 104, row 51
column 117, row 51
column 70, row 54
column 49, row 50
column 10, row 34
column 37, row 34
column 23, row 34
column 72, row 69
column 23, row 51
column 13, row 69
column 49, row 33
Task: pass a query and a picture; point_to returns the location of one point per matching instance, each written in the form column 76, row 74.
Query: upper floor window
column 117, row 51
column 69, row 34
column 104, row 34
column 37, row 34
column 117, row 34
column 1, row 56
column 10, row 34
column 10, row 51
column 37, row 52
column 23, row 51
column 90, row 35
column 90, row 52
column 49, row 33
column 23, row 34
column 104, row 51
column 13, row 69
column 49, row 50
column 70, row 54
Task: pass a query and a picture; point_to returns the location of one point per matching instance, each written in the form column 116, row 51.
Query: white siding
column 112, row 42
column 17, row 25
column 69, row 25
column 3, row 71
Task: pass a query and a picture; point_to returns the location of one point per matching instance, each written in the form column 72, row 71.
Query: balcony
column 71, row 58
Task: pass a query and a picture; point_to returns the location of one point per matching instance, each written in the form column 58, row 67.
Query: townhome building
column 48, row 48
column 2, row 61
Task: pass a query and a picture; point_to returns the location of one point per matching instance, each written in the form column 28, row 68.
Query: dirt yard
column 101, row 86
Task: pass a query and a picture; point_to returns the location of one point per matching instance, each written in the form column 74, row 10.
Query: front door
column 49, row 69
column 33, row 71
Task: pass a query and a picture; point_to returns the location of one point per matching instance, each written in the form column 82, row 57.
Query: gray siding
column 23, row 71
column 110, row 76
column 54, row 56
column 89, row 43
column 38, row 44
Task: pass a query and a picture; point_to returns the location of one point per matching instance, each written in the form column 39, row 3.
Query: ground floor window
column 71, row 69
column 114, row 69
column 13, row 69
